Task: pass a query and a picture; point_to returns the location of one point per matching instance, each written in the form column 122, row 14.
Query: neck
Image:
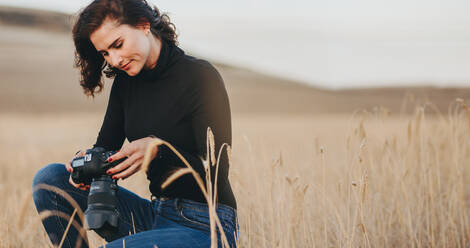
column 155, row 48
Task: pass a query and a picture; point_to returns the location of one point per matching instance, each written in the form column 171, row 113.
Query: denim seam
column 228, row 229
column 226, row 218
column 192, row 202
column 204, row 208
column 192, row 221
column 203, row 204
column 179, row 205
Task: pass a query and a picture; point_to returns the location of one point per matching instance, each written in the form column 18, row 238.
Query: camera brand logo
column 87, row 157
column 95, row 187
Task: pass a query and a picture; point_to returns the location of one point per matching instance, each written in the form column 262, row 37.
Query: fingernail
column 108, row 172
column 114, row 177
column 110, row 159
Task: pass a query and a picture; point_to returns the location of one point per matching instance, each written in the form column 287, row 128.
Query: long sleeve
column 211, row 109
column 208, row 106
column 112, row 135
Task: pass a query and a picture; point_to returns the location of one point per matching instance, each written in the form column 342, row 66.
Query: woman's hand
column 134, row 152
column 69, row 168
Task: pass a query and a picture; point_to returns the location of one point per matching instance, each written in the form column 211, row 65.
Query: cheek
column 143, row 48
column 134, row 50
column 137, row 49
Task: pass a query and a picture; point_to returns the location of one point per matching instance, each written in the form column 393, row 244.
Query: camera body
column 93, row 165
column 101, row 214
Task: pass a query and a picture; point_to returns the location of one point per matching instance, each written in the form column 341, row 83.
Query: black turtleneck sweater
column 176, row 101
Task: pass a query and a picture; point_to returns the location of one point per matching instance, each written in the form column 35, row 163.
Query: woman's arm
column 208, row 106
column 111, row 135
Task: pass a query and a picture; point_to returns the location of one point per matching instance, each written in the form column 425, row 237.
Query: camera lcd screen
column 78, row 162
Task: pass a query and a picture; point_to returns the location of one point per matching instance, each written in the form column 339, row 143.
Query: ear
column 144, row 25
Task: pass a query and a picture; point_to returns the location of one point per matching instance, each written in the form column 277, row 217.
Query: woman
column 159, row 91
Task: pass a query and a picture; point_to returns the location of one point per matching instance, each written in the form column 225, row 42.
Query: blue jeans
column 161, row 222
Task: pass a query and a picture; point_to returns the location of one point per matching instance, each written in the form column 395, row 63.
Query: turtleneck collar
column 169, row 53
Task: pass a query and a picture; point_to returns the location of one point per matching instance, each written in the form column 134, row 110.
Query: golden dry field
column 364, row 180
column 310, row 167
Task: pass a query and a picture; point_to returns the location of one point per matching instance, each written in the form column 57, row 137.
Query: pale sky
column 334, row 43
column 412, row 10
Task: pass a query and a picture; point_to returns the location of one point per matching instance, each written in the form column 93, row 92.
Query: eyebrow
column 112, row 44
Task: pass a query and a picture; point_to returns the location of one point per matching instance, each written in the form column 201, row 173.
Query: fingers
column 78, row 186
column 80, row 153
column 130, row 170
column 69, row 168
column 68, row 165
column 118, row 155
column 126, row 163
column 135, row 152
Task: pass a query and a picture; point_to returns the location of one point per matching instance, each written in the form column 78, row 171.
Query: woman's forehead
column 107, row 33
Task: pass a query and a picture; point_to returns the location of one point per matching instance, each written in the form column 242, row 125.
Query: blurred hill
column 37, row 75
column 49, row 20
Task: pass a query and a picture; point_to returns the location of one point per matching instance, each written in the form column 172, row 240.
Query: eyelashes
column 104, row 53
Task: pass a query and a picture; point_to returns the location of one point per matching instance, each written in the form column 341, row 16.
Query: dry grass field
column 311, row 168
column 364, row 180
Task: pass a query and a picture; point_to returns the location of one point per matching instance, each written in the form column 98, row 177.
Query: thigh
column 172, row 237
column 135, row 213
column 191, row 215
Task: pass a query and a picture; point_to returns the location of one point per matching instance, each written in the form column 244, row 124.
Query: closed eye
column 117, row 46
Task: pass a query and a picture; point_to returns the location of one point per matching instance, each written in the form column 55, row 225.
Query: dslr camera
column 101, row 214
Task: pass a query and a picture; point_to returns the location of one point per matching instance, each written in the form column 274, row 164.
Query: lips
column 126, row 66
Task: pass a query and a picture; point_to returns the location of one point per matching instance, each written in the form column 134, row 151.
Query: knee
column 52, row 174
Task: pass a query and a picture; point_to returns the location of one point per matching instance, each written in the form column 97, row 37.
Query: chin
column 131, row 73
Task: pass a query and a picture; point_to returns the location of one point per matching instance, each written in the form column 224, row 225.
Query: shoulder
column 203, row 73
column 206, row 87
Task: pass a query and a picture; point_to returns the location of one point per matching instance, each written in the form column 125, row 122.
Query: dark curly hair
column 131, row 12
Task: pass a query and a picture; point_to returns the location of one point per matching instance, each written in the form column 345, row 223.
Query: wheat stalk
column 175, row 175
column 67, row 228
column 48, row 213
column 65, row 195
column 210, row 158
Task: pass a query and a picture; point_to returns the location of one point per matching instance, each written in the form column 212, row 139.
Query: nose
column 116, row 59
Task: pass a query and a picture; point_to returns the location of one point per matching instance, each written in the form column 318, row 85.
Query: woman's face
column 123, row 46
